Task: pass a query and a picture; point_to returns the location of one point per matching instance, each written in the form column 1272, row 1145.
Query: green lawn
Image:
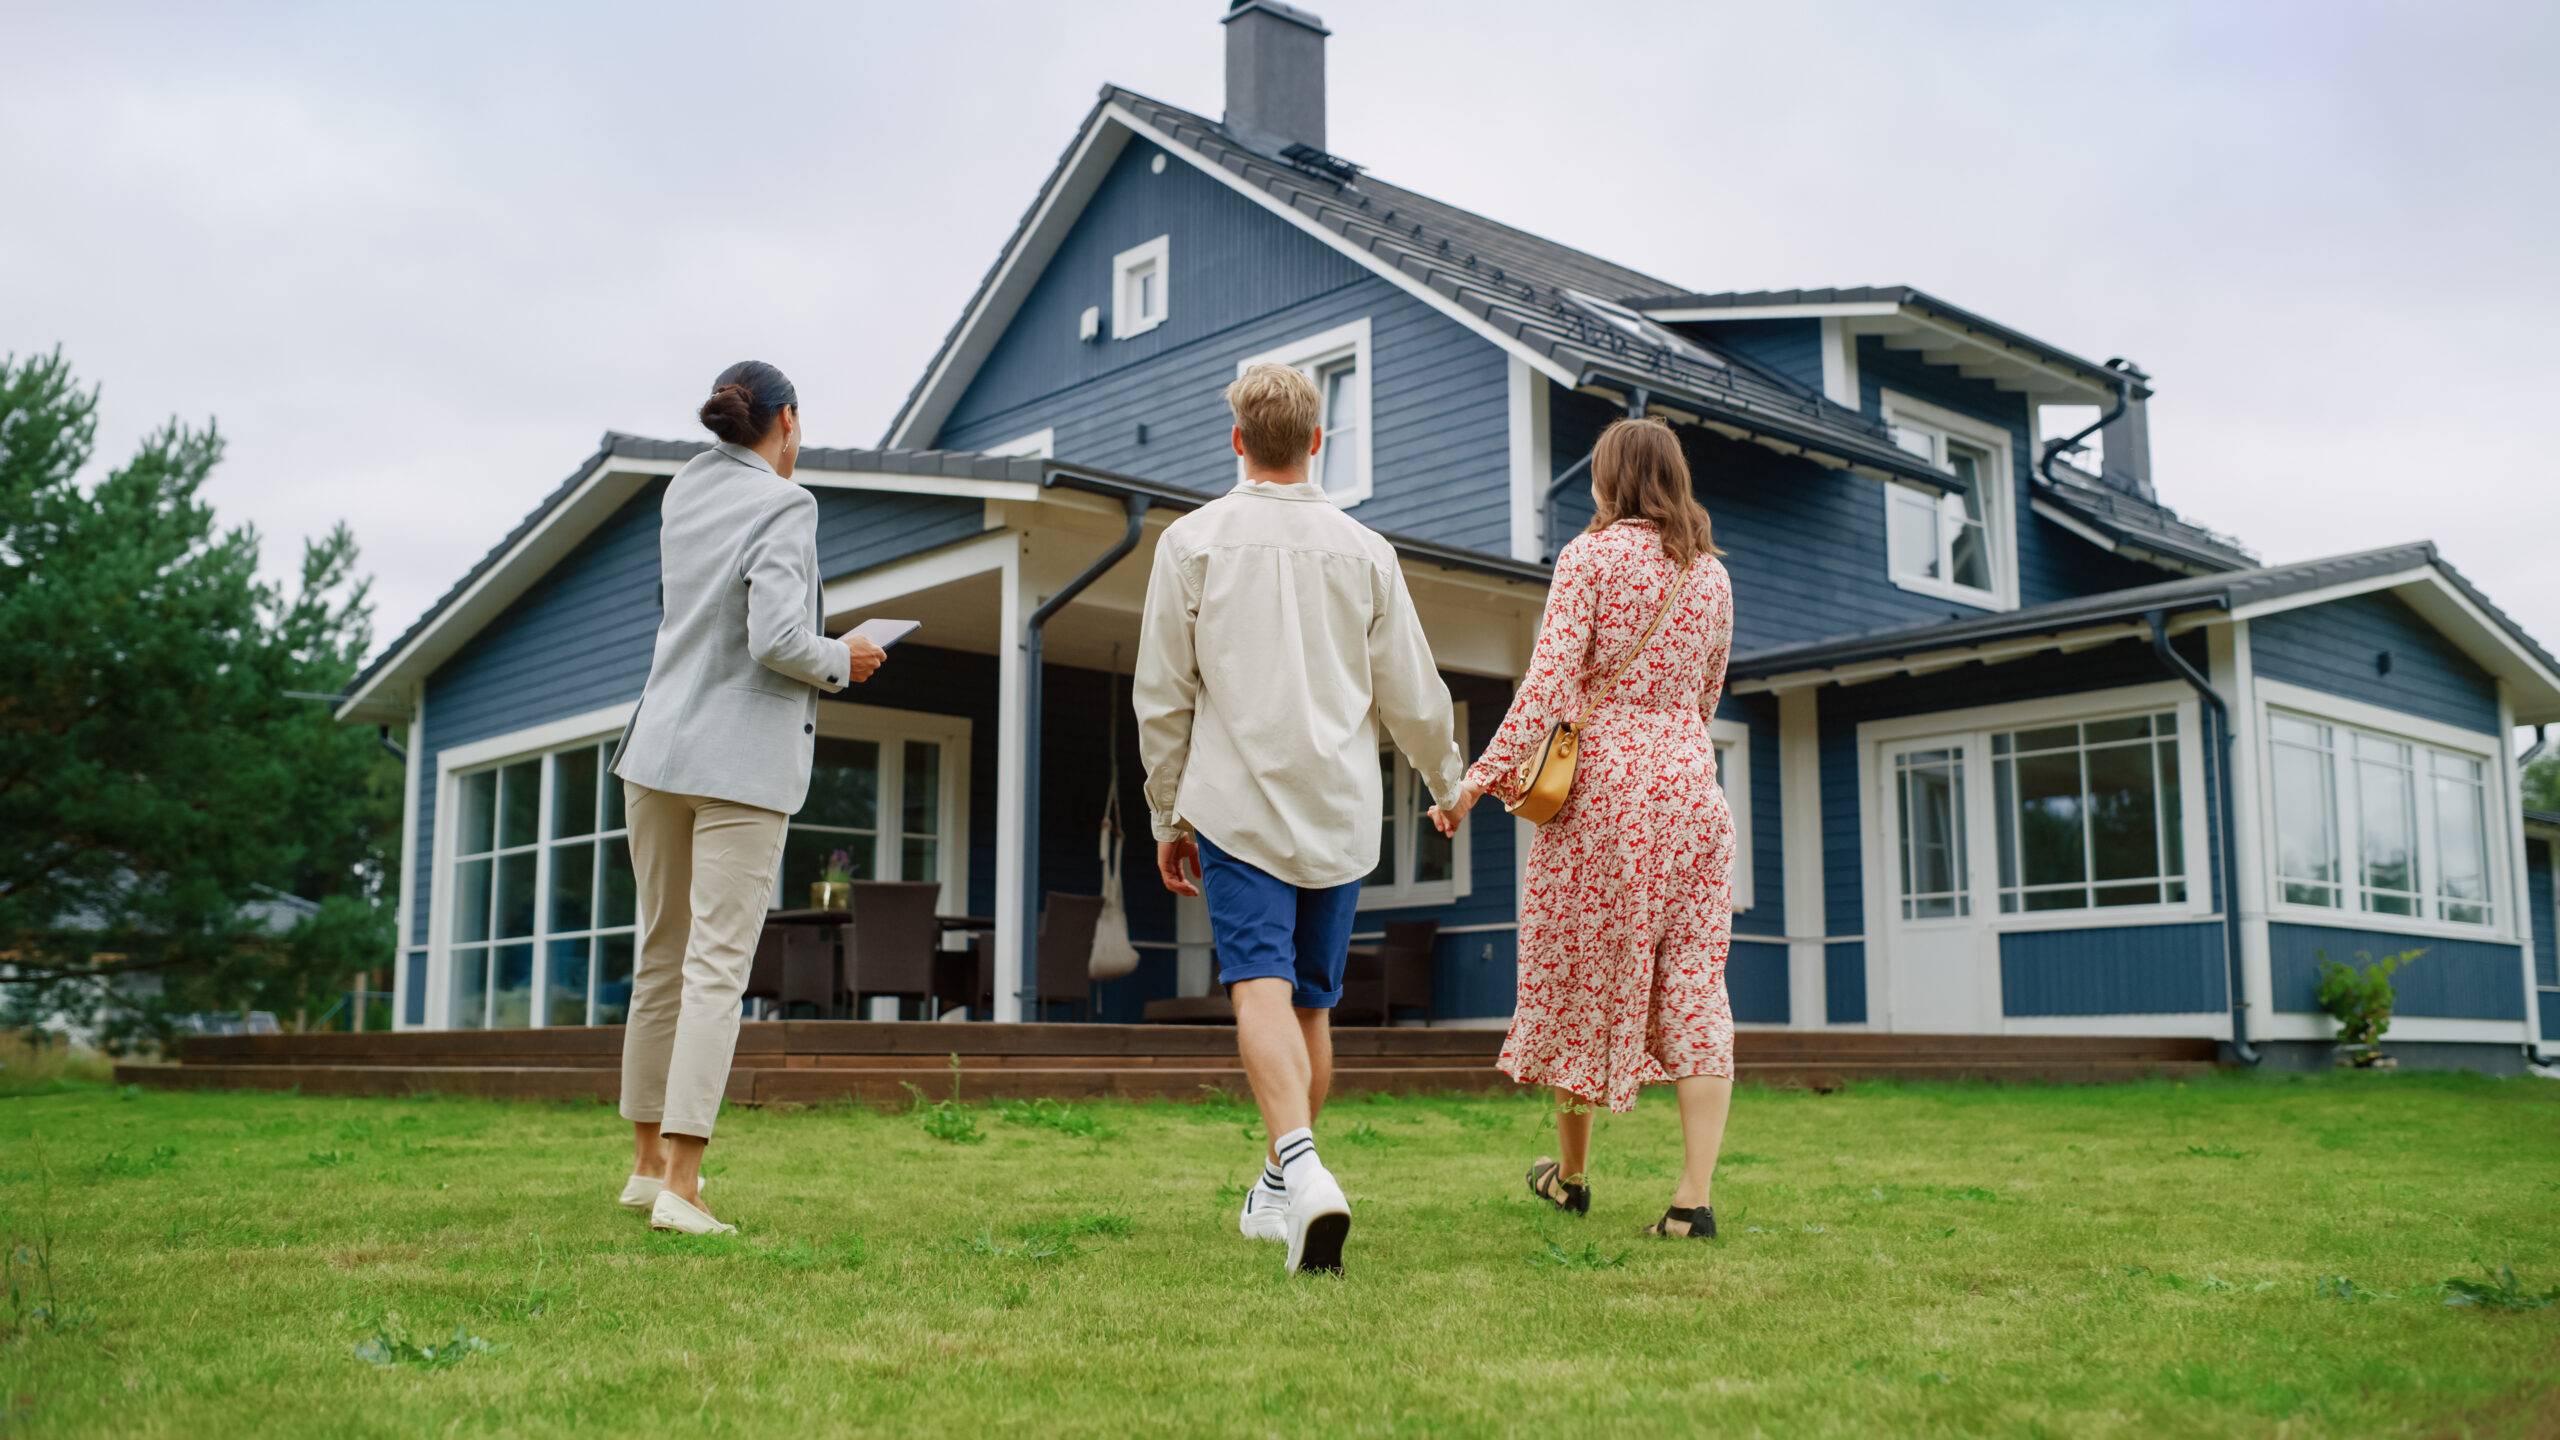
column 2139, row 1260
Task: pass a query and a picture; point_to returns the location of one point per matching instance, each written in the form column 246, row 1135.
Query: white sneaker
column 1318, row 1221
column 641, row 1191
column 1265, row 1216
column 671, row 1212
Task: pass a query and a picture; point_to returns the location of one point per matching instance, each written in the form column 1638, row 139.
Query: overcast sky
column 416, row 258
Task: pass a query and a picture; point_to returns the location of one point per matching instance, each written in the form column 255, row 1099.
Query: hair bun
column 730, row 414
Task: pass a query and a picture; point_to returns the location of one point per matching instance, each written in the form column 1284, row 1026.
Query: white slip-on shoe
column 1319, row 1220
column 671, row 1212
column 641, row 1191
column 1264, row 1217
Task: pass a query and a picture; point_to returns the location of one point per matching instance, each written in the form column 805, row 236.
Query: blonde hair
column 1277, row 408
column 1638, row 473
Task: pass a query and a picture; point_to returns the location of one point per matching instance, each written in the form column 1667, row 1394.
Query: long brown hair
column 1638, row 473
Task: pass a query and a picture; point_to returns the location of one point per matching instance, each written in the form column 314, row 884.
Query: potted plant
column 833, row 889
column 2360, row 1001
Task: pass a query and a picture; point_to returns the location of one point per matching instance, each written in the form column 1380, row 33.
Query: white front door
column 1938, row 979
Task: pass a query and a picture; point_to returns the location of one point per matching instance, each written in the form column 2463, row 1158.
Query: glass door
column 1941, row 976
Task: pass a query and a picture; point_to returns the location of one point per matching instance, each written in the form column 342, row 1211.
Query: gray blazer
column 730, row 711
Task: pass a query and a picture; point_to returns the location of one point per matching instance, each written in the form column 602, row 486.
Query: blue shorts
column 1269, row 929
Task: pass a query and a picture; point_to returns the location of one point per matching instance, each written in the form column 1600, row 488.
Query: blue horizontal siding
column 1768, row 912
column 1792, row 348
column 1242, row 282
column 2546, row 933
column 1755, row 981
column 2122, row 970
column 859, row 530
column 2452, row 980
column 1844, row 983
column 2335, row 648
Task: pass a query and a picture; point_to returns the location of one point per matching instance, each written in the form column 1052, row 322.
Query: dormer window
column 1138, row 276
column 1959, row 545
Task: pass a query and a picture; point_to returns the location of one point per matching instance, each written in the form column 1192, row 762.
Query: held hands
column 1446, row 819
column 862, row 658
column 1178, row 865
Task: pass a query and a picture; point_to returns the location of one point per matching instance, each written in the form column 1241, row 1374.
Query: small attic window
column 1138, row 276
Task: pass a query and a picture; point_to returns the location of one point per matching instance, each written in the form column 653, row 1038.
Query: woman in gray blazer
column 713, row 763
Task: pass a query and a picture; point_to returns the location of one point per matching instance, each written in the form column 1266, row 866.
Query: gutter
column 1875, row 455
column 2227, row 854
column 1135, row 505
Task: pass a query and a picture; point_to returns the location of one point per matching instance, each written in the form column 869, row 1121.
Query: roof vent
column 1275, row 75
column 1323, row 162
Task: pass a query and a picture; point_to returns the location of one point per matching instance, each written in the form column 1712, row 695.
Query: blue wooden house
column 2014, row 748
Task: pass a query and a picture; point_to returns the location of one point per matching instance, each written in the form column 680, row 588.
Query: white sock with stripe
column 1297, row 1155
column 1274, row 1184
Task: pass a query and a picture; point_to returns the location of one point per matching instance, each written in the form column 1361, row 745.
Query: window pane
column 1435, row 857
column 1913, row 518
column 2306, row 828
column 613, row 978
column 2124, row 833
column 804, row 859
column 573, row 792
column 2387, row 836
column 2293, row 730
column 619, row 901
column 844, row 785
column 2173, row 815
column 2051, row 737
column 478, row 821
column 1970, row 464
column 511, row 988
column 2004, row 807
column 1385, row 874
column 919, row 859
column 519, row 803
column 1971, row 561
column 565, row 987
column 2131, row 727
column 2143, row 894
column 514, row 915
column 1932, row 821
column 2050, row 845
column 920, row 789
column 471, row 900
column 2462, row 851
column 573, row 886
column 613, row 795
column 470, row 989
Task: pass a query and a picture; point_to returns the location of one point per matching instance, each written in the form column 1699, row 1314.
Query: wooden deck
column 810, row 1061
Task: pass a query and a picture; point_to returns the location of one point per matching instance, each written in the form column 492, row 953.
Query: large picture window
column 539, row 900
column 2090, row 814
column 2377, row 823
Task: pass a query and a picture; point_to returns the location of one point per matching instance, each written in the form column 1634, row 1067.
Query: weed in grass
column 331, row 1159
column 26, row 1270
column 985, row 1244
column 1232, row 1192
column 1589, row 1257
column 2339, row 1287
column 946, row 1120
column 1219, row 1103
column 1044, row 1114
column 1739, row 1157
column 384, row 1349
column 2501, row 1291
column 1361, row 1132
column 2218, row 1152
column 117, row 1165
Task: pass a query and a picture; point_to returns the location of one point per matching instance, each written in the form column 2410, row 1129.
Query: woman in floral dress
column 1628, row 913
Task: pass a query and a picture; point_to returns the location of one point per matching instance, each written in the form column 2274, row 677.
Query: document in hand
column 885, row 633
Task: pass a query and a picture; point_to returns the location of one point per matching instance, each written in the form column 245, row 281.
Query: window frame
column 2008, row 837
column 889, row 728
column 1310, row 355
column 1153, row 256
column 1997, row 491
column 2346, row 720
column 1412, row 800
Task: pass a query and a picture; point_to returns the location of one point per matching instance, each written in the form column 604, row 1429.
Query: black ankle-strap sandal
column 1701, row 1220
column 1577, row 1198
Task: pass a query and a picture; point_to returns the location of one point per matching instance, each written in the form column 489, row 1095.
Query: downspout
column 1028, row 973
column 2227, row 842
column 2056, row 449
column 1638, row 401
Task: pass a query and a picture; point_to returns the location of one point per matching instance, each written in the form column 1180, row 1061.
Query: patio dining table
column 955, row 972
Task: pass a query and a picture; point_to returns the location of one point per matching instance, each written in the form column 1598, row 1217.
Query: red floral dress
column 1629, row 910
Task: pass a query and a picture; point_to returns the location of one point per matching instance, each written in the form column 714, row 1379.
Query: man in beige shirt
column 1278, row 634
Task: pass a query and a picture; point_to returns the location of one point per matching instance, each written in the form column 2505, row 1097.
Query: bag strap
column 1669, row 599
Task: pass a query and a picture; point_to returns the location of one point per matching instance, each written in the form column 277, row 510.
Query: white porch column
column 408, row 892
column 1012, row 773
column 2235, row 677
column 1800, row 832
column 1530, row 462
column 2507, row 793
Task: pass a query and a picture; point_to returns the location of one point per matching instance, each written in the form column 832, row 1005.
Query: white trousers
column 705, row 870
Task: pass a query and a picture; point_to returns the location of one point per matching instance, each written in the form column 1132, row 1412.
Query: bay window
column 2376, row 823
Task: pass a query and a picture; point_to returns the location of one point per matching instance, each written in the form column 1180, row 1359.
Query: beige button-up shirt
column 1278, row 635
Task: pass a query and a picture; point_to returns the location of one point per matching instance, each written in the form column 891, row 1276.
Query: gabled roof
column 1547, row 303
column 1875, row 303
column 2416, row 573
column 2131, row 525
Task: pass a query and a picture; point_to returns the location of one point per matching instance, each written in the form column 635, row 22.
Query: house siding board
column 2127, row 970
column 1755, row 982
column 1844, row 982
column 1243, row 283
column 1788, row 348
column 1768, row 912
column 2333, row 648
column 859, row 530
column 2454, row 979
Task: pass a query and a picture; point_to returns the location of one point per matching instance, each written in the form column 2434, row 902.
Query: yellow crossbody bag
column 1546, row 773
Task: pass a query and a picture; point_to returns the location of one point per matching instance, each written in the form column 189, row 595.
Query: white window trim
column 1971, row 730
column 886, row 727
column 1999, row 503
column 1736, row 737
column 1041, row 444
column 1409, row 820
column 1124, row 324
column 2338, row 710
column 1314, row 351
